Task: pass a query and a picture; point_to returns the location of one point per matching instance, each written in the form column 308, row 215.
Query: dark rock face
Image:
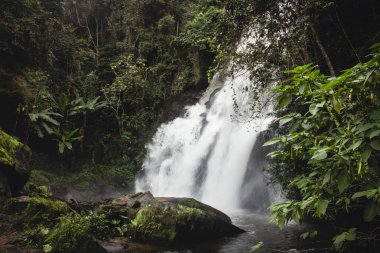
column 5, row 191
column 18, row 173
column 14, row 165
column 170, row 220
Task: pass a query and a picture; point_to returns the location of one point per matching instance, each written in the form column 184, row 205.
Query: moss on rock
column 9, row 147
column 167, row 223
column 14, row 165
column 40, row 210
column 73, row 233
column 153, row 223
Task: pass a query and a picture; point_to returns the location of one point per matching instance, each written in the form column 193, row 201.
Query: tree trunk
column 323, row 51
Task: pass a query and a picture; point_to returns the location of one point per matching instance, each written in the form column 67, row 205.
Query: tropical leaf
column 285, row 100
column 257, row 247
column 370, row 212
column 272, row 142
column 319, row 155
column 375, row 145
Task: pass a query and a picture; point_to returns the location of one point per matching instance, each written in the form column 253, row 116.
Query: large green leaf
column 314, row 108
column 368, row 194
column 375, row 115
column 337, row 104
column 374, row 133
column 333, row 82
column 370, row 212
column 307, row 125
column 349, row 235
column 375, row 145
column 366, row 154
column 365, row 127
column 326, row 177
column 338, row 240
column 285, row 120
column 322, row 207
column 272, row 142
column 257, row 247
column 355, row 145
column 343, row 182
column 285, row 100
column 319, row 155
column 48, row 118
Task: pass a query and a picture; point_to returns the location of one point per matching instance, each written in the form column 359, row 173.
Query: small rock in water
column 293, row 251
column 182, row 251
column 112, row 247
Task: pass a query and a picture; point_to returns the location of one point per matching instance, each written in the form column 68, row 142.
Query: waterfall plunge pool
column 258, row 229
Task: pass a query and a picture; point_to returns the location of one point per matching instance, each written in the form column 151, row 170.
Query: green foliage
column 38, row 191
column 76, row 232
column 42, row 211
column 166, row 24
column 129, row 87
column 202, row 31
column 151, row 223
column 328, row 153
column 50, row 225
column 53, row 117
column 310, row 234
column 349, row 235
column 123, row 60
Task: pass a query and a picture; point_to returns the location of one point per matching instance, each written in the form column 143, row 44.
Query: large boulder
column 126, row 221
column 14, row 165
column 170, row 220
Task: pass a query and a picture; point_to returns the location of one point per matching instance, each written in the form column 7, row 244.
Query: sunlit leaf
column 322, row 206
column 355, row 145
column 319, row 155
column 304, row 235
column 271, row 142
column 330, row 84
column 285, row 120
column 257, row 247
column 373, row 134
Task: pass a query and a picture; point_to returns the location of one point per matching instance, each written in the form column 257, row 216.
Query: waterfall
column 213, row 153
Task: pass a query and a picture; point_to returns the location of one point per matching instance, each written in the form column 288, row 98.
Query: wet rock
column 5, row 191
column 170, row 220
column 17, row 249
column 12, row 243
column 14, row 165
column 112, row 247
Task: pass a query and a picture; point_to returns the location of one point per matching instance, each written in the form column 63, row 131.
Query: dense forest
column 84, row 84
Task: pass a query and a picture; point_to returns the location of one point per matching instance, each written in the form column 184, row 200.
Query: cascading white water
column 207, row 153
